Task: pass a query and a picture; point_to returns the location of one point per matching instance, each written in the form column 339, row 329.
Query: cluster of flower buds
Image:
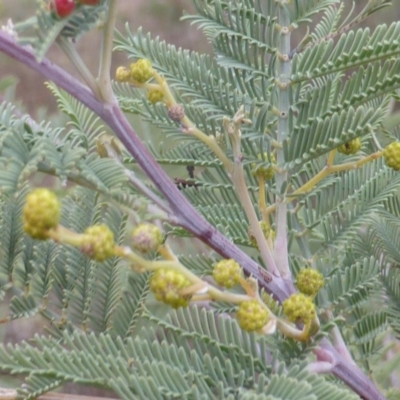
column 139, row 74
column 41, row 219
column 64, row 8
column 169, row 282
column 140, row 71
column 391, row 154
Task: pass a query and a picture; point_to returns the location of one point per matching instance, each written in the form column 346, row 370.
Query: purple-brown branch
column 186, row 214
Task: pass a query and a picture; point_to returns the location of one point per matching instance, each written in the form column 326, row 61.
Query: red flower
column 63, row 8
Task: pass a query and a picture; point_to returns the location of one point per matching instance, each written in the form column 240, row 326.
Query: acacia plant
column 290, row 139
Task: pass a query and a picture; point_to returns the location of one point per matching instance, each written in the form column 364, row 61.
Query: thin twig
column 77, row 61
column 239, row 183
column 104, row 79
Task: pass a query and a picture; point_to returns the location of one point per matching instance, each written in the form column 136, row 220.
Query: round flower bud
column 299, row 307
column 98, row 242
column 351, row 147
column 252, row 316
column 41, row 213
column 166, row 284
column 141, row 71
column 176, row 112
column 122, row 74
column 62, row 8
column 154, row 96
column 264, row 172
column 227, row 273
column 309, row 281
column 146, row 237
column 392, row 155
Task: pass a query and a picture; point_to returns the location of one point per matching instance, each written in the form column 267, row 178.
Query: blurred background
column 160, row 17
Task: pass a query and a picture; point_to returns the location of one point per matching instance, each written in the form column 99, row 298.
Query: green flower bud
column 309, row 281
column 264, row 172
column 154, row 96
column 299, row 307
column 252, row 316
column 392, row 155
column 227, row 273
column 42, row 212
column 141, row 71
column 351, row 147
column 122, row 74
column 98, row 242
column 166, row 285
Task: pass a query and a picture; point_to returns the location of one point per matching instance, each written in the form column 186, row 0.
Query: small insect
column 182, row 183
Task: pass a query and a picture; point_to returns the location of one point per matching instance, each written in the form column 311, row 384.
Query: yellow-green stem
column 239, row 183
column 357, row 164
column 190, row 128
column 308, row 186
column 150, row 265
column 291, row 331
column 166, row 252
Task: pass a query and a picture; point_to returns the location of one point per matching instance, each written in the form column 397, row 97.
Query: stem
column 262, row 200
column 338, row 341
column 137, row 183
column 190, row 127
column 165, row 251
column 77, row 61
column 350, row 374
column 239, row 182
column 291, row 331
column 357, row 164
column 188, row 217
column 327, row 170
column 104, row 79
column 137, row 205
column 304, row 247
column 283, row 72
column 149, row 265
column 308, row 186
column 113, row 116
